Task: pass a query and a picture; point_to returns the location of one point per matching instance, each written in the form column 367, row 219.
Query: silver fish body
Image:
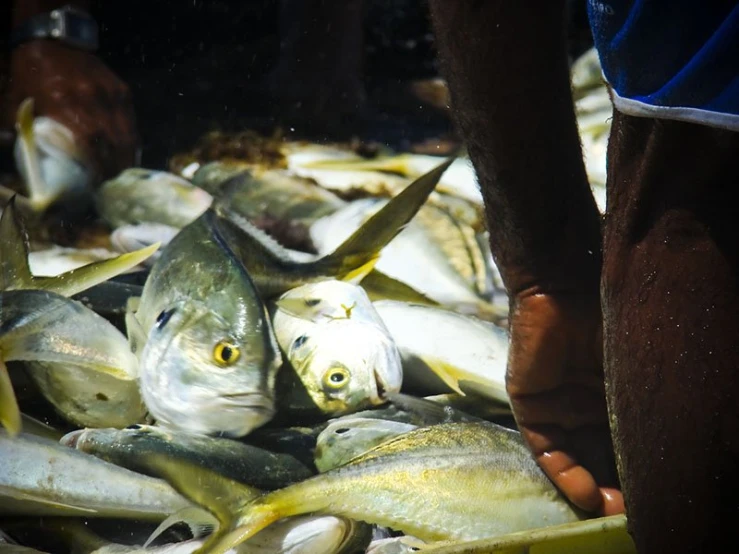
column 210, row 358
column 244, row 463
column 42, row 477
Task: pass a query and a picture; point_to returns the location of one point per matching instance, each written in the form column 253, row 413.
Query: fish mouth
column 251, row 400
column 380, row 386
column 72, row 438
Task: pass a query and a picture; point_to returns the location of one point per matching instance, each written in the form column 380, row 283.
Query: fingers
column 580, row 463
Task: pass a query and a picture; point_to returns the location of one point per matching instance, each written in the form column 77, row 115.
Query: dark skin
column 75, row 88
column 524, row 145
column 653, row 317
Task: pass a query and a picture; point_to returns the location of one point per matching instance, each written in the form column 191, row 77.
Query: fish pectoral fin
column 380, row 286
column 15, row 272
column 258, row 517
column 135, row 332
column 356, row 256
column 198, row 520
column 356, row 276
column 447, row 373
column 10, row 415
column 213, row 492
column 77, row 280
column 295, row 307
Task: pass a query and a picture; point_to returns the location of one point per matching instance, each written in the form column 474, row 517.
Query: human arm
column 75, row 88
column 506, row 66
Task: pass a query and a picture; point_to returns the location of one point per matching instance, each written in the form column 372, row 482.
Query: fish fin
column 38, row 197
column 258, row 517
column 15, row 272
column 10, row 415
column 602, row 534
column 219, row 495
column 427, row 409
column 380, row 286
column 388, row 164
column 351, row 257
column 199, row 521
column 134, row 330
column 39, row 499
column 357, row 275
column 295, row 307
column 77, row 280
column 450, row 375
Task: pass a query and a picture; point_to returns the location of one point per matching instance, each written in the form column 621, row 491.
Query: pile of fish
column 301, row 355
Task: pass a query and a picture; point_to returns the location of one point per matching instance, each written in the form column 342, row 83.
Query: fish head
column 204, row 371
column 327, row 300
column 345, row 365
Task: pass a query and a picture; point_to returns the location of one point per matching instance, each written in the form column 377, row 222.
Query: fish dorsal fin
column 15, row 272
column 10, row 415
column 364, row 245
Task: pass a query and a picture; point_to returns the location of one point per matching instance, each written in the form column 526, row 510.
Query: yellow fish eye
column 226, row 353
column 336, row 378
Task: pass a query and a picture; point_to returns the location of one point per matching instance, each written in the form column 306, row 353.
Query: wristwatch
column 67, row 24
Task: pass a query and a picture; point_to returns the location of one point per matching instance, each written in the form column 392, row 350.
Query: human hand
column 76, row 89
column 555, row 383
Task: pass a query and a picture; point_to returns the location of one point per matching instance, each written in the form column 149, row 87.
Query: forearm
column 506, row 66
column 24, row 9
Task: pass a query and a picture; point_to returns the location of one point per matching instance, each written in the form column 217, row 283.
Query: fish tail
column 10, row 415
column 357, row 255
column 31, row 167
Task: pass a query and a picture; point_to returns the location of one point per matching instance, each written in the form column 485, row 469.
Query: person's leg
column 670, row 299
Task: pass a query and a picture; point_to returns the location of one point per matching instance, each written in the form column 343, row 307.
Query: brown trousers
column 670, row 301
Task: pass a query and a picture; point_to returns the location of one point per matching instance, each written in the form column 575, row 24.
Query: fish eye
column 300, row 341
column 134, row 427
column 226, row 353
column 310, row 302
column 336, row 378
column 163, row 318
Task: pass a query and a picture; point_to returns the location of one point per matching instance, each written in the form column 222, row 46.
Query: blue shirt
column 672, row 59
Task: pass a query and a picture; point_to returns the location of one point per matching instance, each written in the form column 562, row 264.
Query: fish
column 55, row 260
column 140, row 195
column 49, row 159
column 607, row 535
column 347, row 437
column 337, row 345
column 416, row 246
column 275, row 271
column 443, row 351
column 459, row 181
column 130, row 238
column 207, row 354
column 455, row 481
column 15, row 271
column 40, row 477
column 89, row 378
column 244, row 463
column 299, row 535
column 276, row 194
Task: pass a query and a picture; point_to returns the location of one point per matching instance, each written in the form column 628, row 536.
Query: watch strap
column 68, row 25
